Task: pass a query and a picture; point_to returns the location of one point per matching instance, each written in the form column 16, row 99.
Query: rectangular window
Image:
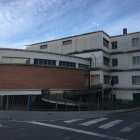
column 115, row 62
column 135, row 79
column 68, row 42
column 106, row 79
column 44, row 62
column 115, row 78
column 67, row 64
column 114, row 45
column 82, row 66
column 105, row 43
column 136, row 60
column 43, row 47
column 106, row 61
column 11, row 60
column 135, row 42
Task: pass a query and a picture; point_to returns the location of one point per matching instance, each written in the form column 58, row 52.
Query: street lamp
column 95, row 60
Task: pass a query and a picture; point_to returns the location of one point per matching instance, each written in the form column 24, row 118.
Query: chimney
column 125, row 31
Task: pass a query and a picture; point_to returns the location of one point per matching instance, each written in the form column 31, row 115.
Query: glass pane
column 134, row 60
column 60, row 63
column 53, row 63
column 45, row 62
column 40, row 62
column 137, row 41
column 49, row 62
column 67, row 64
column 36, row 61
column 5, row 60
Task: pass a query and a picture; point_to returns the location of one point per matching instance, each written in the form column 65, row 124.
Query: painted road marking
column 78, row 131
column 93, row 121
column 110, row 124
column 131, row 127
column 73, row 120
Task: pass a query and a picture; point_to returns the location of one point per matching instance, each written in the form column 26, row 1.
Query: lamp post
column 95, row 60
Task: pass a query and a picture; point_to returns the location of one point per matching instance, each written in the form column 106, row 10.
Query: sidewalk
column 46, row 115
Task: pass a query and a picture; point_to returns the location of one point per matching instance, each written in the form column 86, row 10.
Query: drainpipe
column 90, row 59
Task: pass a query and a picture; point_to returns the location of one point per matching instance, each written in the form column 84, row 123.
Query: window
column 135, row 42
column 12, row 60
column 105, row 43
column 67, row 42
column 44, row 62
column 135, row 79
column 115, row 78
column 106, row 61
column 115, row 62
column 82, row 66
column 67, row 64
column 106, row 79
column 136, row 60
column 114, row 45
column 43, row 47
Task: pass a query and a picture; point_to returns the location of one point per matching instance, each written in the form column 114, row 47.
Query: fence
column 59, row 102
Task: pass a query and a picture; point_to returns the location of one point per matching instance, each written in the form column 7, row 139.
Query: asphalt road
column 124, row 126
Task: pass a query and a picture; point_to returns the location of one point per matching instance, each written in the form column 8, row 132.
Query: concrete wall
column 124, row 42
column 79, row 43
column 39, row 55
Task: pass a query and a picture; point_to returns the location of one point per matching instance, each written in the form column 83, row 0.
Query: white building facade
column 113, row 57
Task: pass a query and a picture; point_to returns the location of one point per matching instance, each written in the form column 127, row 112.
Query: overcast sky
column 25, row 22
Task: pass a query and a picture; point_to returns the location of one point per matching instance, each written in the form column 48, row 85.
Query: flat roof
column 82, row 35
column 43, row 52
column 69, row 37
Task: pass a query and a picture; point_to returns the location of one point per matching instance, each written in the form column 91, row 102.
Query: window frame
column 117, row 62
column 66, row 63
column 136, row 60
column 83, row 65
column 112, row 44
column 43, row 64
column 132, row 80
column 43, row 46
column 106, row 59
column 20, row 58
column 114, row 80
column 106, row 41
column 135, row 43
column 104, row 79
column 63, row 42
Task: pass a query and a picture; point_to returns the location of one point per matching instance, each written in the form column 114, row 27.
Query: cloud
column 31, row 21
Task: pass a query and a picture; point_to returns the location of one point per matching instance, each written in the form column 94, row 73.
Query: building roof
column 82, row 35
column 43, row 52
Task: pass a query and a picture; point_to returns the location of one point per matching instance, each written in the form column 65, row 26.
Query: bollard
column 98, row 104
column 56, row 103
column 79, row 103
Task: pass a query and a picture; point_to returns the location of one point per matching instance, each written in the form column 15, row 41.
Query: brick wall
column 39, row 77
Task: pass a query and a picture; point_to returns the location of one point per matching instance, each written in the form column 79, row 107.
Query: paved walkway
column 46, row 115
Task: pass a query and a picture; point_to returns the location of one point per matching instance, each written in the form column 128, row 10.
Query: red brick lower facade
column 40, row 77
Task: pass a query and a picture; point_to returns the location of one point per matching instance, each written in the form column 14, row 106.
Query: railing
column 91, row 90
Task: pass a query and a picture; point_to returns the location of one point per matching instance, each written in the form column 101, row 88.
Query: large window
column 115, row 78
column 43, row 47
column 11, row 60
column 82, row 66
column 135, row 42
column 105, row 43
column 106, row 79
column 114, row 45
column 67, row 64
column 67, row 42
column 115, row 62
column 135, row 79
column 106, row 61
column 45, row 62
column 136, row 60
